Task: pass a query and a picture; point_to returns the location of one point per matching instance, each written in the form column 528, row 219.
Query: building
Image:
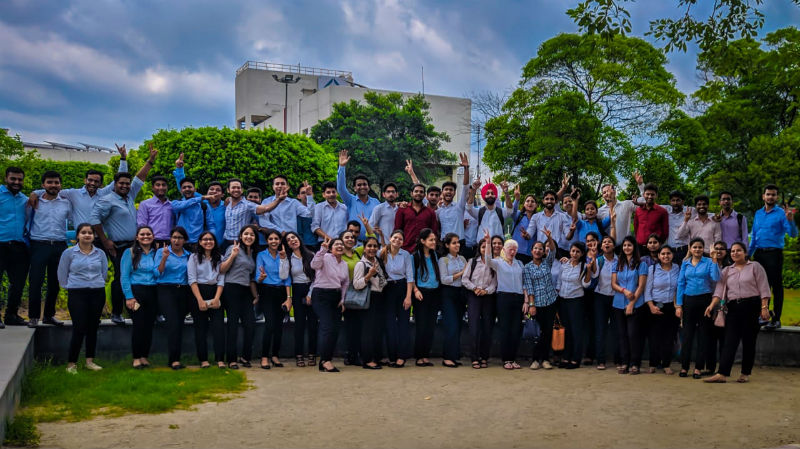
column 260, row 99
column 64, row 152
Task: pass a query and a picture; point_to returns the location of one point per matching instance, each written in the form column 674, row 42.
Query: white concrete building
column 65, row 152
column 260, row 101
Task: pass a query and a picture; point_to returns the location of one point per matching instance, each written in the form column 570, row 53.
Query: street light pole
column 286, row 80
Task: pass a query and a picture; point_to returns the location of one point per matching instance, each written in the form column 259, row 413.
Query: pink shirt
column 330, row 272
column 748, row 282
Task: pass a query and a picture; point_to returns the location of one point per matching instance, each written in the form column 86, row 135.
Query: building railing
column 274, row 67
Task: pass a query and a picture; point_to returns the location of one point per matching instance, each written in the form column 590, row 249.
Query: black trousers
column 631, row 336
column 213, row 319
column 85, row 306
column 662, row 330
column 172, row 302
column 545, row 316
column 14, row 259
column 454, row 302
column 467, row 251
column 238, row 302
column 353, row 323
column 571, row 312
column 509, row 323
column 398, row 329
column 270, row 299
column 714, row 345
column 117, row 298
column 425, row 312
column 589, row 348
column 695, row 323
column 372, row 327
column 143, row 319
column 325, row 302
column 44, row 260
column 772, row 261
column 524, row 258
column 304, row 318
column 741, row 324
column 481, row 315
column 602, row 315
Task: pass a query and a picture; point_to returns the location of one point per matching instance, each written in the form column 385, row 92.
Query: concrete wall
column 16, row 359
column 71, row 155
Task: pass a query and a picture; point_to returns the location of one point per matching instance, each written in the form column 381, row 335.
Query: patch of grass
column 49, row 393
column 790, row 316
column 22, row 432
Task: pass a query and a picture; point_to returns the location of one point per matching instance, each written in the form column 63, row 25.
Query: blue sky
column 116, row 71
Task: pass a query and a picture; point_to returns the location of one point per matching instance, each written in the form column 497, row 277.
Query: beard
column 489, row 200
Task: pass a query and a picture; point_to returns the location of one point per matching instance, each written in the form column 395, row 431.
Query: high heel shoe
column 326, row 370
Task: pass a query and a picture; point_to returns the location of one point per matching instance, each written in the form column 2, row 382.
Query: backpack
column 482, row 212
column 739, row 219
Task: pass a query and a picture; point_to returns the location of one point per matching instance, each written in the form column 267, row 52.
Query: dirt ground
column 443, row 407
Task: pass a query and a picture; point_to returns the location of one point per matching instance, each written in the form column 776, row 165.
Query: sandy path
column 442, row 407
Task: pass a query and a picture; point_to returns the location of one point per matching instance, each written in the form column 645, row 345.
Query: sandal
column 668, row 371
column 716, row 379
column 312, row 360
column 300, row 361
column 601, row 366
column 516, row 365
column 508, row 365
column 634, row 370
column 233, row 365
column 484, row 364
column 277, row 364
column 652, row 370
column 743, row 379
column 476, row 364
column 420, row 362
column 622, row 369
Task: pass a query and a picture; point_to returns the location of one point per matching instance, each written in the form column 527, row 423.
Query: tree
column 381, row 134
column 13, row 153
column 726, row 20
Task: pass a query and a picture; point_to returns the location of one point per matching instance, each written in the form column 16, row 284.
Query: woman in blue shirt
column 659, row 294
column 82, row 271
column 138, row 281
column 397, row 294
column 519, row 231
column 696, row 282
column 173, row 291
column 297, row 268
column 274, row 298
column 426, row 299
column 628, row 280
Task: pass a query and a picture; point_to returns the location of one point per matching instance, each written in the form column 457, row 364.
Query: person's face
column 482, row 247
column 653, row 244
column 337, row 248
column 627, row 248
column 725, row 201
column 371, row 249
column 676, row 202
column 160, row 189
column 537, row 251
column 549, row 202
column 396, row 240
column 235, row 189
column 454, row 246
column 530, row 204
column 122, row 186
column 737, row 254
column 697, row 249
column 330, row 195
column 607, row 246
column 14, row 182
column 92, row 183
column 433, row 197
column 361, row 187
column 187, row 190
column 429, row 242
column 590, row 211
column 566, row 203
column 349, row 239
column 511, row 251
column 292, row 241
column 390, row 195
column 417, row 194
column 490, row 197
column 497, row 246
column 609, row 194
column 279, row 186
column 720, row 251
column 650, row 197
column 248, row 237
column 254, row 197
column 273, row 241
column 86, row 235
column 355, row 230
column 215, row 190
column 591, row 243
column 770, row 197
column 448, row 193
column 701, row 207
column 52, row 186
column 575, row 254
column 207, row 242
column 177, row 241
column 144, row 236
column 665, row 256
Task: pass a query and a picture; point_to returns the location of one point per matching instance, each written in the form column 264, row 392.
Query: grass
column 22, row 432
column 791, row 308
column 49, row 393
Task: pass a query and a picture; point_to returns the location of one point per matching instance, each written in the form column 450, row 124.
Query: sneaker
column 117, row 319
column 2, row 326
column 188, row 318
column 93, row 366
column 15, row 320
column 53, row 321
column 546, row 365
column 161, row 319
column 33, row 323
column 72, row 369
column 535, row 365
column 260, row 318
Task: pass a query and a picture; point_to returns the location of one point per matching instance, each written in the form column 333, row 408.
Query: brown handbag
column 558, row 335
column 719, row 314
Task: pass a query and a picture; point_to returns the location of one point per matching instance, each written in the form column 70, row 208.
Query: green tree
column 381, row 134
column 13, row 153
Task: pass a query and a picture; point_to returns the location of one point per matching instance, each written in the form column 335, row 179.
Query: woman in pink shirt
column 744, row 288
column 327, row 298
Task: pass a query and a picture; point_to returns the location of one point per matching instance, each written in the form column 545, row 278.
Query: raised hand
column 373, row 270
column 261, row 274
column 364, row 219
column 638, row 177
column 235, row 249
column 33, row 200
column 464, row 159
column 516, row 192
column 789, row 212
column 409, row 166
column 343, row 158
column 123, row 152
column 476, row 184
column 282, row 253
column 547, row 233
column 504, row 186
column 153, row 152
column 179, row 161
column 565, row 181
column 717, row 217
column 687, row 215
column 612, row 215
column 325, row 243
column 165, row 250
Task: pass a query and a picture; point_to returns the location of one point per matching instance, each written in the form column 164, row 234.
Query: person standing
column 676, row 213
column 327, row 298
column 454, row 302
column 360, row 204
column 172, row 287
column 206, row 283
column 138, row 280
column 604, row 303
column 449, row 212
column 212, row 202
column 48, row 234
column 156, row 211
column 558, row 223
column 426, row 300
column 540, row 295
column 701, row 225
column 382, row 217
column 240, row 295
column 282, row 211
column 274, row 298
column 397, row 294
column 490, row 217
column 770, row 225
column 114, row 222
column 239, row 212
column 628, row 280
column 650, row 219
column 370, row 271
column 575, row 276
column 733, row 225
column 623, row 209
column 660, row 295
column 522, row 218
column 193, row 213
column 329, row 217
column 415, row 217
column 297, row 268
column 480, row 282
column 14, row 255
column 82, row 271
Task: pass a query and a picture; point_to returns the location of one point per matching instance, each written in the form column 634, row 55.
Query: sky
column 106, row 71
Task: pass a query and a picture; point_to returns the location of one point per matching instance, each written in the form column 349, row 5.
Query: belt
column 172, row 285
column 679, row 248
column 13, row 242
column 741, row 300
column 769, row 250
column 398, row 281
column 49, row 242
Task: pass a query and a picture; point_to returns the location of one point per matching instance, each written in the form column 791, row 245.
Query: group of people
column 369, row 265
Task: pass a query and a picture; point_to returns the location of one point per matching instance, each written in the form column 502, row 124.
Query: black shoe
column 276, row 364
column 52, row 320
column 33, row 323
column 326, row 370
column 2, row 326
column 365, row 366
column 117, row 319
column 697, row 376
column 161, row 319
column 683, row 374
column 428, row 364
column 139, row 367
column 15, row 320
column 776, row 324
column 244, row 363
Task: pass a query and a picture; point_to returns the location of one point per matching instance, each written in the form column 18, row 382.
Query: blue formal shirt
column 662, row 286
column 332, row 220
column 238, row 216
column 355, row 207
column 769, row 229
column 144, row 274
column 471, row 230
column 117, row 214
column 218, row 217
column 451, row 216
column 79, row 270
column 272, row 267
column 82, row 203
column 174, row 270
column 284, row 216
column 583, row 227
column 522, row 221
column 697, row 279
column 399, row 266
column 304, row 230
column 628, row 279
column 12, row 215
column 49, row 220
column 383, row 217
column 190, row 215
column 426, row 280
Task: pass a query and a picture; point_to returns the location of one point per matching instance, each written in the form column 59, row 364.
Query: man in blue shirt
column 13, row 251
column 770, row 224
column 360, row 204
column 48, row 236
column 282, row 210
column 330, row 216
column 193, row 213
column 212, row 201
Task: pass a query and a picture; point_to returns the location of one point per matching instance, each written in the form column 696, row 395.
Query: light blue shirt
column 448, row 266
column 769, row 229
column 82, row 203
column 451, row 216
column 79, row 270
column 490, row 219
column 524, row 245
column 49, row 220
column 332, row 220
column 355, row 207
column 509, row 276
column 218, row 217
column 628, row 279
column 697, row 279
column 426, row 280
column 662, row 286
column 144, row 274
column 190, row 213
column 117, row 214
column 383, row 217
column 471, row 231
column 272, row 267
column 558, row 224
column 284, row 217
column 399, row 266
column 12, row 215
column 175, row 271
column 238, row 216
column 583, row 227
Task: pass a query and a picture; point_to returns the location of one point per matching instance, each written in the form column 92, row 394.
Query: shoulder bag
column 357, row 299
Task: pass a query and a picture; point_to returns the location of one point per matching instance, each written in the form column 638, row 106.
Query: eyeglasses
column 177, row 237
column 720, row 249
column 207, row 240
